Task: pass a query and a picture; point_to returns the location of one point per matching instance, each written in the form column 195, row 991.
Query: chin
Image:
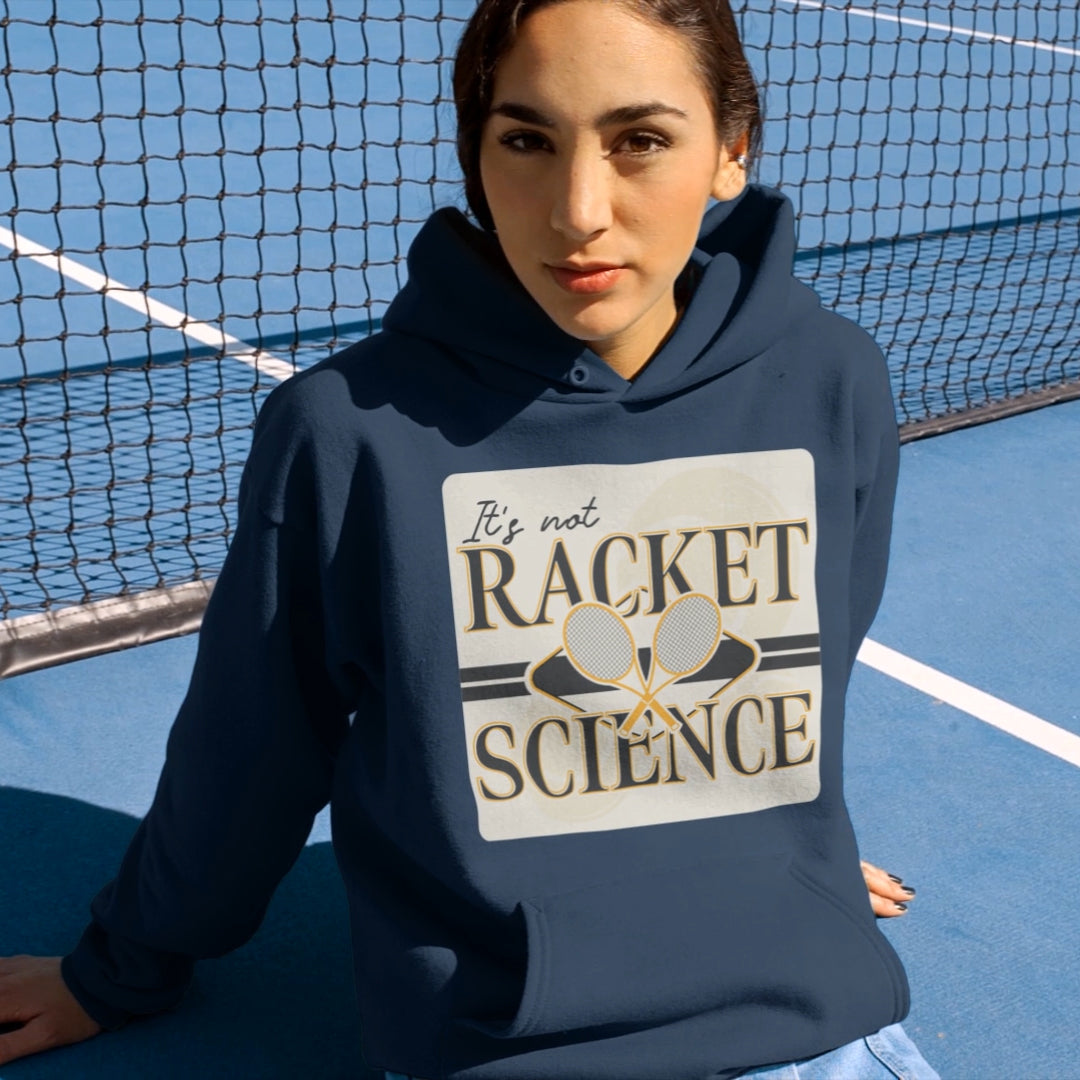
column 592, row 322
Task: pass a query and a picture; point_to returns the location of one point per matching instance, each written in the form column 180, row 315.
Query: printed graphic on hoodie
column 637, row 643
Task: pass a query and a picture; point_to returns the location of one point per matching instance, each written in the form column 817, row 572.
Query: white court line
column 925, row 24
column 137, row 300
column 1000, row 714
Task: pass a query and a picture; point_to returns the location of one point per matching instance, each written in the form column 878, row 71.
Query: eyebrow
column 624, row 114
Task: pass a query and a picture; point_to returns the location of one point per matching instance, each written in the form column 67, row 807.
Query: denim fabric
column 886, row 1055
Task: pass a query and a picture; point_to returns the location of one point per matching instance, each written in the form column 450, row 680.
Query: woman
column 553, row 589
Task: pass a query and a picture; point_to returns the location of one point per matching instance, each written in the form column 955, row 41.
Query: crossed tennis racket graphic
column 600, row 645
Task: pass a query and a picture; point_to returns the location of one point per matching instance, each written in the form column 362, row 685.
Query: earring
column 741, row 161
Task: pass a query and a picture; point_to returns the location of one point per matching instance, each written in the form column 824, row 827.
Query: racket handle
column 664, row 715
column 634, row 715
column 632, row 718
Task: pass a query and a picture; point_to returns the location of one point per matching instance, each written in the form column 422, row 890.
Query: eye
column 523, row 142
column 643, row 143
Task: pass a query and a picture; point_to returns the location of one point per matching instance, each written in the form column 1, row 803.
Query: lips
column 594, row 278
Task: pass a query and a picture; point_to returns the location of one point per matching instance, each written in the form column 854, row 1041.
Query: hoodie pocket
column 655, row 947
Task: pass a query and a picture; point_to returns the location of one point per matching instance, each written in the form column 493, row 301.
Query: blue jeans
column 886, row 1055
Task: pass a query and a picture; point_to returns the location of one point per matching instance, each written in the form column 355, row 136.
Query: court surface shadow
column 283, row 1005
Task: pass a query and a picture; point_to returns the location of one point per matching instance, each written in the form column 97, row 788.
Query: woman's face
column 600, row 154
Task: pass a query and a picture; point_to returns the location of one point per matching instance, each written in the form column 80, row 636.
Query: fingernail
column 909, row 890
column 901, row 907
column 896, row 879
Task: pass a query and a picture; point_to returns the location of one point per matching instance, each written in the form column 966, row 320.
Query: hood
column 461, row 294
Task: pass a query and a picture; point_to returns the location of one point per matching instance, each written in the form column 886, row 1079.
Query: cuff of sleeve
column 114, row 979
column 99, row 1011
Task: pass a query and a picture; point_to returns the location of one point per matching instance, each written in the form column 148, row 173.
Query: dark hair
column 707, row 25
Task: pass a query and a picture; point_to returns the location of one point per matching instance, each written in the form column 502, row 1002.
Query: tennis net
column 200, row 198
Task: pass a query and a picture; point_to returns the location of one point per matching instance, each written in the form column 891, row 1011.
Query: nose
column 581, row 206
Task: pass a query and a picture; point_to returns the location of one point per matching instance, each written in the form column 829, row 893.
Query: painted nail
column 909, row 890
column 896, row 879
column 901, row 907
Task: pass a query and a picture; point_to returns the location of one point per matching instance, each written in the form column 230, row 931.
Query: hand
column 888, row 896
column 34, row 994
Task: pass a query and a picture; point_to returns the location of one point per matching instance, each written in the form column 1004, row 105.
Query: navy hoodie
column 567, row 654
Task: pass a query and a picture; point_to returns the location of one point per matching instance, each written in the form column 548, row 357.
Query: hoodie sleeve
column 877, row 462
column 248, row 764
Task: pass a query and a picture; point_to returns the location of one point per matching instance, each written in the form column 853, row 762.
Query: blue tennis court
column 152, row 299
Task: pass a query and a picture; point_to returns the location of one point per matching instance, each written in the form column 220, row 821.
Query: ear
column 730, row 178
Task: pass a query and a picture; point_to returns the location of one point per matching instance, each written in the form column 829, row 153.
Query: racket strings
column 687, row 634
column 599, row 643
